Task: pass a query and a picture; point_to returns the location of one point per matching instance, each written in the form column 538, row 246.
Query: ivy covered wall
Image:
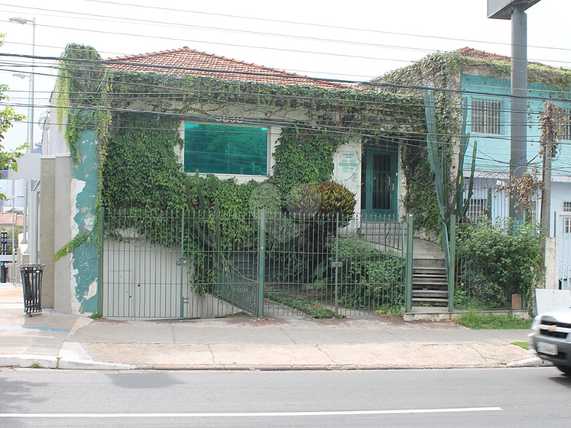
column 134, row 119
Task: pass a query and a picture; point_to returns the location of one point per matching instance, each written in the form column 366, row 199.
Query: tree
column 8, row 116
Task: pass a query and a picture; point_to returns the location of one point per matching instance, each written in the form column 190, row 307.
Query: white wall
column 347, row 169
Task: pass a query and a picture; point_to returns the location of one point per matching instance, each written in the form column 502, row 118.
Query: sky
column 364, row 39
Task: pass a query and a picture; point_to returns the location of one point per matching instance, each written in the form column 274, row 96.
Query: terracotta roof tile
column 209, row 65
column 478, row 54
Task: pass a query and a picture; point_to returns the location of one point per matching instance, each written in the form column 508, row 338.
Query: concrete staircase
column 429, row 283
column 429, row 278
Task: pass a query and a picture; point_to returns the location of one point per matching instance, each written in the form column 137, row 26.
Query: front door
column 379, row 182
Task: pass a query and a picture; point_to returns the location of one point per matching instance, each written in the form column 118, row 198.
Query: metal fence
column 562, row 228
column 190, row 264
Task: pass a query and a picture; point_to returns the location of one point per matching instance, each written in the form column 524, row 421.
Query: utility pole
column 514, row 10
column 549, row 121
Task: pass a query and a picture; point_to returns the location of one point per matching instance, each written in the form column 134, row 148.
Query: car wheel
column 565, row 369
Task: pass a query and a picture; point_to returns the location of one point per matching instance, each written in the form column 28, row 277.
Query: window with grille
column 225, row 149
column 486, row 116
column 565, row 130
column 567, row 206
column 567, row 225
column 477, row 209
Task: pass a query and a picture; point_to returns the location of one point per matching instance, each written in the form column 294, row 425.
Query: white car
column 551, row 338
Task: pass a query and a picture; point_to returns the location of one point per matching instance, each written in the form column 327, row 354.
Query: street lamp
column 24, row 21
column 30, row 136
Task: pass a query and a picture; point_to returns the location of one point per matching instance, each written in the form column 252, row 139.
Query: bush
column 369, row 277
column 327, row 198
column 336, row 199
column 497, row 261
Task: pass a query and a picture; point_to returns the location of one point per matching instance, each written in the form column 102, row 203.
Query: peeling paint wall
column 347, row 170
column 84, row 259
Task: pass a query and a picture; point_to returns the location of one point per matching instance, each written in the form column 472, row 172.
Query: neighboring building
column 481, row 81
column 232, row 138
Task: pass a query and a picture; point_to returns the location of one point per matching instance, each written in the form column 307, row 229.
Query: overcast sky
column 355, row 54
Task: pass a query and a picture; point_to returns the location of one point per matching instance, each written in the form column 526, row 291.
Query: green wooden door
column 379, row 182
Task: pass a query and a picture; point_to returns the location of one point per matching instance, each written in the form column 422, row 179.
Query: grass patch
column 36, row 366
column 390, row 310
column 307, row 306
column 522, row 344
column 95, row 316
column 493, row 322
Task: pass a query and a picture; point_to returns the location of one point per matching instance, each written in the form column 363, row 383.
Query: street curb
column 35, row 361
column 28, row 361
column 55, row 363
column 530, row 362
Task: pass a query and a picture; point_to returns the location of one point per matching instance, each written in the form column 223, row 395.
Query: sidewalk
column 55, row 340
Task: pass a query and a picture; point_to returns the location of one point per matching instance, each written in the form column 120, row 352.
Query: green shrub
column 497, row 262
column 369, row 277
column 327, row 198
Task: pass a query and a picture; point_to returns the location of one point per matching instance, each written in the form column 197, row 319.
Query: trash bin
column 32, row 288
column 3, row 273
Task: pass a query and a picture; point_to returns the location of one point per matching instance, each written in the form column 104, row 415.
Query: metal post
column 25, row 229
column 452, row 263
column 409, row 261
column 518, row 160
column 100, row 249
column 182, row 265
column 261, row 261
column 14, row 275
column 336, row 264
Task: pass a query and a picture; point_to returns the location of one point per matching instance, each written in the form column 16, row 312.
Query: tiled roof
column 10, row 218
column 186, row 61
column 478, row 54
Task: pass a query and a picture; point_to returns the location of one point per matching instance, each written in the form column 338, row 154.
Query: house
column 480, row 82
column 167, row 130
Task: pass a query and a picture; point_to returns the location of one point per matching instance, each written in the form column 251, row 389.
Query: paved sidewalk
column 64, row 341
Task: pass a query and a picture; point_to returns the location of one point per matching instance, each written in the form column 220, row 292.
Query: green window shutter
column 225, row 149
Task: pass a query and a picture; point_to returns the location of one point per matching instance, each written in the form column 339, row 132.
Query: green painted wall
column 85, row 260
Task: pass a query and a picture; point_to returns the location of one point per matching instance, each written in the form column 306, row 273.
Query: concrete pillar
column 62, row 232
column 551, row 277
column 47, row 232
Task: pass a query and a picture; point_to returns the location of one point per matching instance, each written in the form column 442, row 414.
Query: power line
column 210, row 42
column 347, row 81
column 316, row 24
column 183, row 93
column 225, row 132
column 278, row 75
column 256, row 121
column 240, row 45
column 99, row 17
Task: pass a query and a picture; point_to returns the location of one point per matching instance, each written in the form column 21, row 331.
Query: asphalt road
column 395, row 398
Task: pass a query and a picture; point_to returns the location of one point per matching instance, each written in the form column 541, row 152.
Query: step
column 426, row 269
column 422, row 280
column 429, row 301
column 429, row 276
column 429, row 263
column 430, row 293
